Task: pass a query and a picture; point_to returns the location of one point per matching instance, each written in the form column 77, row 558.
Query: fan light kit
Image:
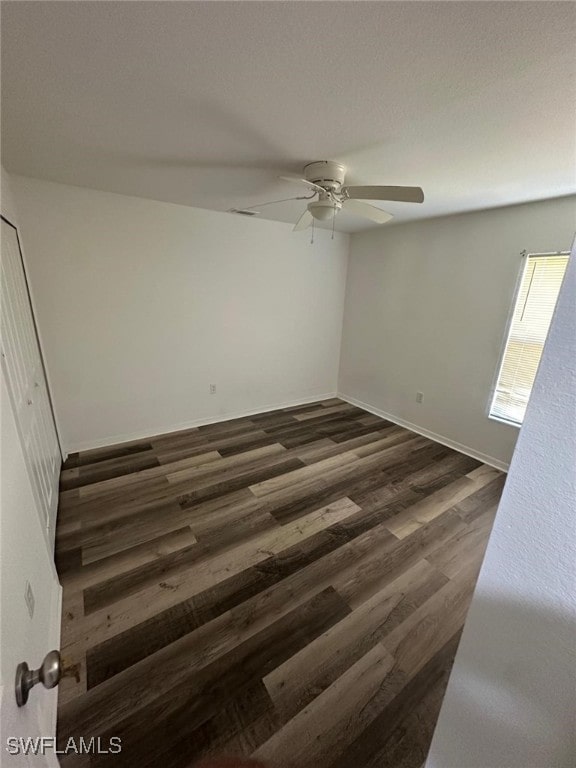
column 325, row 182
column 324, row 209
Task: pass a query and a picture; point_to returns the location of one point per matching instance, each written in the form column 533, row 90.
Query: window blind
column 533, row 311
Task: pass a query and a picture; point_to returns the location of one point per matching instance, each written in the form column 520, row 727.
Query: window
column 535, row 302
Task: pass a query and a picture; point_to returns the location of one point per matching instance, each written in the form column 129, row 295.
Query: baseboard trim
column 483, row 457
column 131, row 437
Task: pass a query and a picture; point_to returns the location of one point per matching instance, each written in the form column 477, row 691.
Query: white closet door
column 22, row 362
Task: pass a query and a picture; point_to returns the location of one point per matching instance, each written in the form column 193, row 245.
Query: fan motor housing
column 325, row 173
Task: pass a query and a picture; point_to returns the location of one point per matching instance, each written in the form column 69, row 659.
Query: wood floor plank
column 278, row 539
column 433, row 505
column 388, row 438
column 122, row 651
column 322, row 729
column 309, row 429
column 112, row 503
column 161, row 470
column 359, row 569
column 488, row 496
column 326, row 447
column 85, row 576
column 130, row 582
column 173, row 593
column 329, row 402
column 359, row 581
column 128, row 460
column 355, row 429
column 115, row 618
column 339, row 408
column 408, row 745
column 391, row 474
column 372, row 748
column 204, row 473
column 305, row 473
column 234, row 481
column 239, row 663
column 447, row 467
column 245, row 720
column 289, row 585
column 466, row 550
column 339, row 472
column 104, row 470
column 137, row 642
column 414, row 642
column 104, row 541
column 309, row 672
column 370, row 418
column 110, row 452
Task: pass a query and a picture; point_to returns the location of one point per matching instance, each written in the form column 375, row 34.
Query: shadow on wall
column 512, row 693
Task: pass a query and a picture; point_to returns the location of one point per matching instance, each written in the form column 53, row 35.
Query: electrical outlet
column 29, row 598
column 419, row 397
column 212, row 389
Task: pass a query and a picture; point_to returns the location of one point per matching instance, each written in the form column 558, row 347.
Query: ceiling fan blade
column 400, row 194
column 298, row 180
column 304, row 221
column 367, row 211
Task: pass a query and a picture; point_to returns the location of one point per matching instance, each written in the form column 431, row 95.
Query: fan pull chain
column 312, row 237
column 333, row 222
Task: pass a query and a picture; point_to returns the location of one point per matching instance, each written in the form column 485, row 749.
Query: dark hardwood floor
column 290, row 586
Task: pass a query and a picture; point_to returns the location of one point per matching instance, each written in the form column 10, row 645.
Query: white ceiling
column 205, row 103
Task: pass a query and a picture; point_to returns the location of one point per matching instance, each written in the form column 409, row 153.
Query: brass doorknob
column 48, row 674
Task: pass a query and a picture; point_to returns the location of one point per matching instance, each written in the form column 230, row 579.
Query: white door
column 30, row 595
column 28, row 392
column 30, row 606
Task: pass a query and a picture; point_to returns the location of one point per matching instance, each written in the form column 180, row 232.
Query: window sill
column 505, row 421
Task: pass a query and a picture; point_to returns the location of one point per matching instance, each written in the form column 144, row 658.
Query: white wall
column 144, row 304
column 427, row 305
column 511, row 698
column 7, row 204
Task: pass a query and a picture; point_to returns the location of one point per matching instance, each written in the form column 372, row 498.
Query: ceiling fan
column 326, row 178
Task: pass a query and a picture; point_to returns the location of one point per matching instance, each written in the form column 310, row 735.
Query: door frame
column 63, row 454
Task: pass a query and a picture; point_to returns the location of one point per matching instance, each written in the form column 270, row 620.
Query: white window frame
column 525, row 255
